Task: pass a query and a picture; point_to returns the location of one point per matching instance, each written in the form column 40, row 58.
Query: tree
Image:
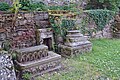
column 102, row 4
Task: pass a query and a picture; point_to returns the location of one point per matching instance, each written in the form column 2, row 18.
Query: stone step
column 77, row 39
column 75, row 44
column 38, row 67
column 74, row 31
column 31, row 53
column 74, row 35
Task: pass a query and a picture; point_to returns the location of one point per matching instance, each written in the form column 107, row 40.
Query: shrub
column 27, row 6
column 4, row 6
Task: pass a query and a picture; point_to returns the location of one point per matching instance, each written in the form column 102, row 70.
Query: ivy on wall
column 100, row 16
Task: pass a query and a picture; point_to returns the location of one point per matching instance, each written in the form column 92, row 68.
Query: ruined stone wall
column 91, row 28
column 23, row 33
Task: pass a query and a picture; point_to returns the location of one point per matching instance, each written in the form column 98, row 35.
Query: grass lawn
column 103, row 63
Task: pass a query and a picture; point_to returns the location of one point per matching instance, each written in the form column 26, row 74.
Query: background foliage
column 4, row 6
column 102, row 4
column 28, row 6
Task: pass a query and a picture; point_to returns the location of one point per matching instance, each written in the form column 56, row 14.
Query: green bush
column 4, row 6
column 38, row 7
column 70, row 7
column 27, row 6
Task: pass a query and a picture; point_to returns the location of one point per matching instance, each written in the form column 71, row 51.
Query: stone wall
column 23, row 34
column 105, row 33
column 90, row 29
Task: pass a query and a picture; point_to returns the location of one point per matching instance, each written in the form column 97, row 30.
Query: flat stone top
column 75, row 35
column 75, row 44
column 78, row 38
column 74, row 31
column 31, row 49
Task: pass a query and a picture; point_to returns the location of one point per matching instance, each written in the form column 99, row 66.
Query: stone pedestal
column 36, row 60
column 75, row 43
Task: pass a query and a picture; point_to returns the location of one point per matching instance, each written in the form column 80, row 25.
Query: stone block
column 31, row 53
column 45, row 33
column 41, row 16
column 42, row 24
column 45, row 36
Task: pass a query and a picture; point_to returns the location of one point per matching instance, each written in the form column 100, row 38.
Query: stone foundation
column 72, row 51
column 36, row 60
column 35, row 68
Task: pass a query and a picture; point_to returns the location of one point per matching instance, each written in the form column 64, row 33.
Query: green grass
column 103, row 63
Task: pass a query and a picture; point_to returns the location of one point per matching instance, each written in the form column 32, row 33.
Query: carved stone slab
column 31, row 53
column 35, row 68
column 6, row 67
